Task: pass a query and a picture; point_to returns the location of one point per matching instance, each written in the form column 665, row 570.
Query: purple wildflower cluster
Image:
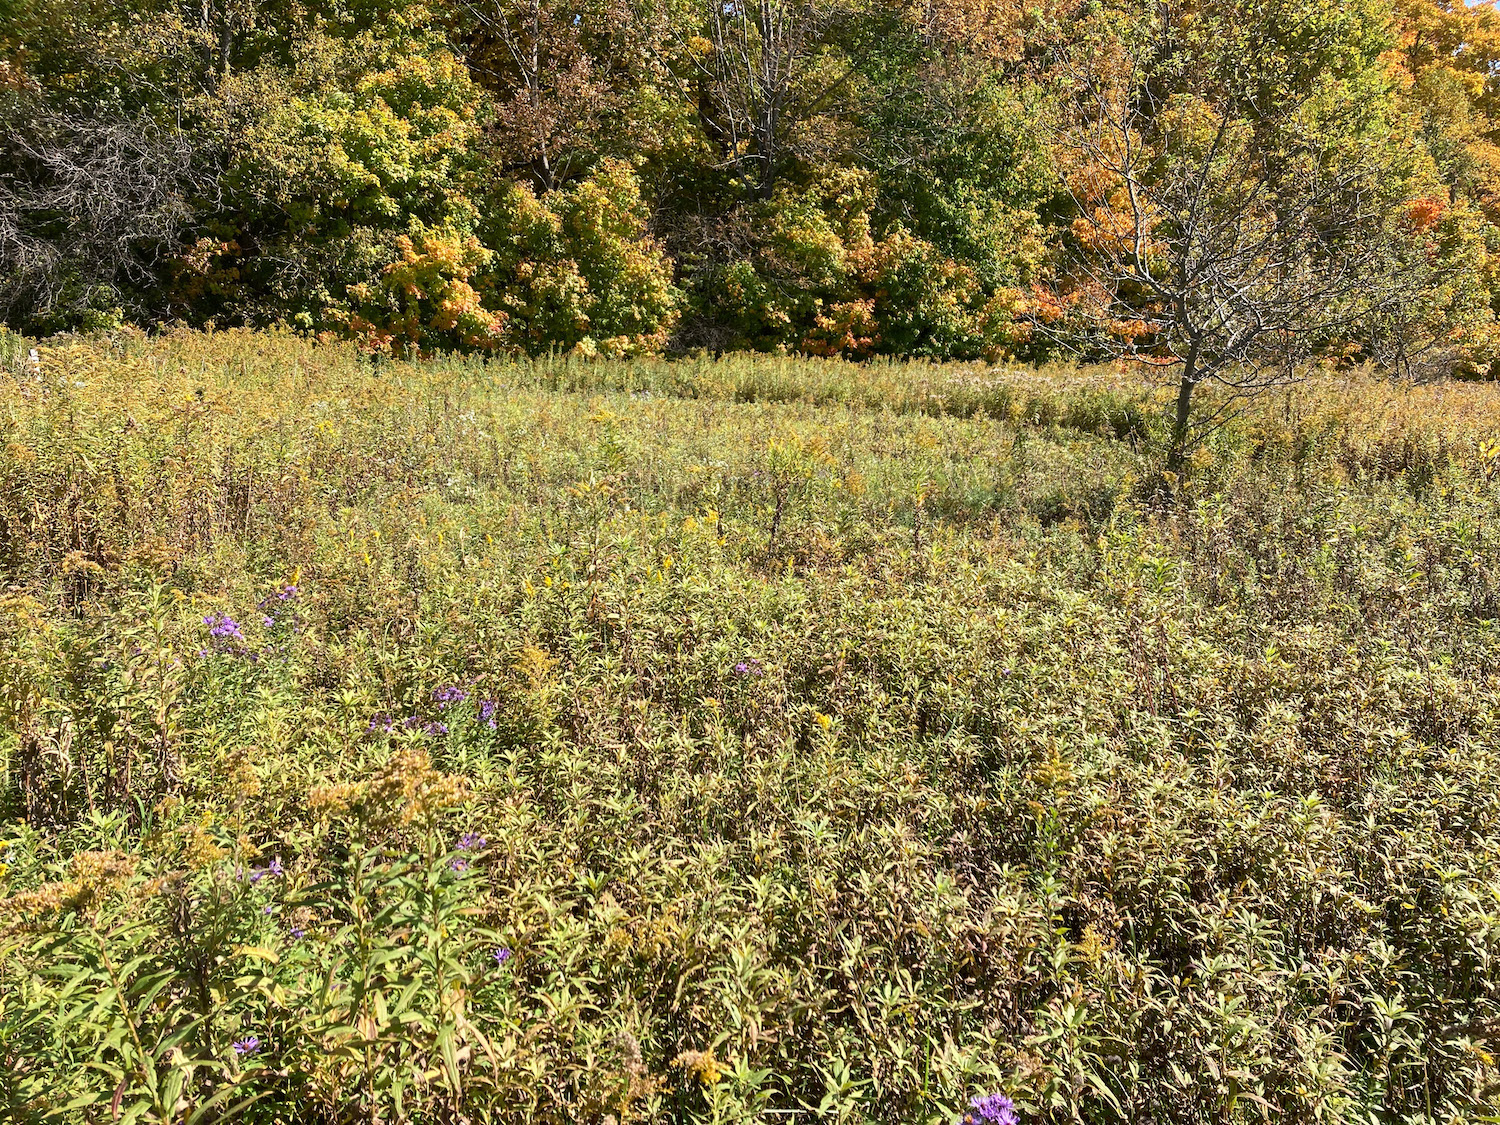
column 277, row 608
column 225, row 637
column 749, row 668
column 446, row 698
column 468, row 842
column 228, row 639
column 502, row 955
column 222, row 625
column 991, row 1109
column 453, row 694
column 384, row 724
column 272, row 870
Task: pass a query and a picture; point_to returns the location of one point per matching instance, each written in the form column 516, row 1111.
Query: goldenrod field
column 700, row 741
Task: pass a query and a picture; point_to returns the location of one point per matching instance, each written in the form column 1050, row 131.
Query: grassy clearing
column 689, row 741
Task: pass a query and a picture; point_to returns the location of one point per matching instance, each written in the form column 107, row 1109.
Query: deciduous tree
column 1241, row 205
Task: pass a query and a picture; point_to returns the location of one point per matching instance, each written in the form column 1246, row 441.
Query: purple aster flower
column 298, row 933
column 269, row 909
column 286, row 593
column 459, row 863
column 434, row 728
column 267, row 621
column 222, row 625
column 447, row 696
column 487, row 708
column 502, row 955
column 471, row 840
column 272, row 869
column 247, row 1046
column 749, row 668
column 991, row 1109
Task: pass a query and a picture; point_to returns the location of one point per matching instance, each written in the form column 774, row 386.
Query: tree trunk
column 1184, row 414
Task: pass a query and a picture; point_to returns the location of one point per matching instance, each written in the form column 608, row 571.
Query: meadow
column 743, row 739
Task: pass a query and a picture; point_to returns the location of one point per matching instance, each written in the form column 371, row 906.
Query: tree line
column 1226, row 186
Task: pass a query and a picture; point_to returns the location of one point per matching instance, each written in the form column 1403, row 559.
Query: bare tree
column 553, row 92
column 1218, row 234
column 763, row 70
column 85, row 202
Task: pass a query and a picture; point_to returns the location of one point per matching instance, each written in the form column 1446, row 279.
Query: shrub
column 577, row 268
column 425, row 301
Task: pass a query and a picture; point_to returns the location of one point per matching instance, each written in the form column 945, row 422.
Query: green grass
column 863, row 739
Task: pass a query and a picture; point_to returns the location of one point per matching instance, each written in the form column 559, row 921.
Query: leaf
column 450, row 1057
column 205, row 1111
column 256, row 953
